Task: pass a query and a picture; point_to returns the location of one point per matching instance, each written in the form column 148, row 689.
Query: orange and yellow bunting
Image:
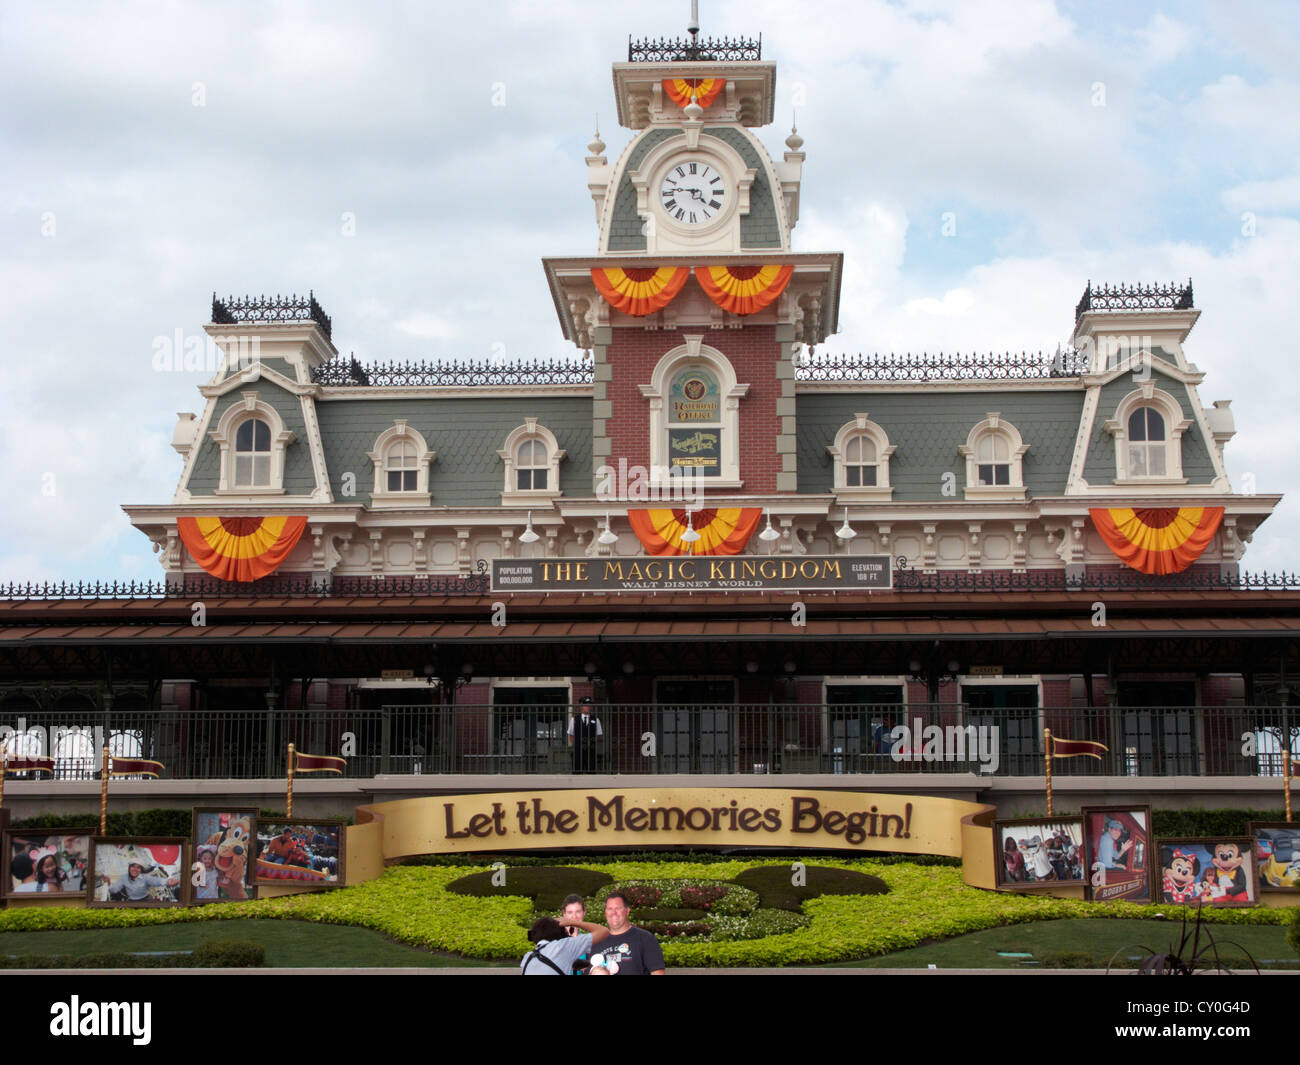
column 724, row 531
column 1157, row 540
column 703, row 91
column 241, row 549
column 743, row 289
column 639, row 290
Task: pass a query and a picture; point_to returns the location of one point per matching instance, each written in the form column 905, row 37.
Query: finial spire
column 694, row 28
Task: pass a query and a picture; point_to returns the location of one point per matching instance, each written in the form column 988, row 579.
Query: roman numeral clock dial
column 692, row 193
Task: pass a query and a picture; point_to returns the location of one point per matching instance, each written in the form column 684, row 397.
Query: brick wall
column 752, row 350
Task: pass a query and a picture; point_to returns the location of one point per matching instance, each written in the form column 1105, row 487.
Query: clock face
column 692, row 193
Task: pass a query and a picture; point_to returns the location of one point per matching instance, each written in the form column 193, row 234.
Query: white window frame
column 223, row 436
column 881, row 490
column 1176, row 423
column 512, row 496
column 995, row 423
column 380, row 497
column 730, row 391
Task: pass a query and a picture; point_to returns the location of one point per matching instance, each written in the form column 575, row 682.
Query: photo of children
column 137, row 872
column 1117, row 842
column 1039, row 853
column 223, row 846
column 1277, row 855
column 41, row 864
column 1206, row 872
column 299, row 853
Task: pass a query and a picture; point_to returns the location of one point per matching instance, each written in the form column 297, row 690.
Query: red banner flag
column 318, row 763
column 29, row 764
column 1074, row 748
column 134, row 767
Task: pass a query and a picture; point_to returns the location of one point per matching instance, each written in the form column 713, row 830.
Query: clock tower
column 694, row 306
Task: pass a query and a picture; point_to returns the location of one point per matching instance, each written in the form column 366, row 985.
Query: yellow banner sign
column 647, row 818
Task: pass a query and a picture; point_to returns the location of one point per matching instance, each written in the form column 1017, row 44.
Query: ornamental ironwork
column 1171, row 297
column 942, row 366
column 696, row 49
column 1199, row 578
column 269, row 310
column 459, row 373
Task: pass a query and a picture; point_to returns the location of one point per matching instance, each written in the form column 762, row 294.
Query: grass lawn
column 288, row 943
column 980, row 950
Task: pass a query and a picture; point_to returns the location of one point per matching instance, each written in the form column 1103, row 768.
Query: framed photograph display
column 1038, row 852
column 47, row 863
column 1117, row 853
column 221, row 865
column 138, row 871
column 1206, row 872
column 300, row 852
column 1277, row 854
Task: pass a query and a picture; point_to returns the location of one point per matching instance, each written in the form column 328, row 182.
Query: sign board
column 397, row 674
column 734, row 573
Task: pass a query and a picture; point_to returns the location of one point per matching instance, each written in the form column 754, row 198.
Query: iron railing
column 457, row 373
column 942, row 366
column 669, row 738
column 1125, row 297
column 697, row 49
column 269, row 310
column 906, row 579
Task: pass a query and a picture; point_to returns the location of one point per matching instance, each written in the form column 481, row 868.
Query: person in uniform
column 584, row 731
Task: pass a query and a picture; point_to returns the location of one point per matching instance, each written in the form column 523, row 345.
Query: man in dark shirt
column 584, row 731
column 629, row 951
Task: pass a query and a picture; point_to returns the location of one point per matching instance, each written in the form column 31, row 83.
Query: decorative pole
column 288, row 803
column 103, row 794
column 4, row 769
column 1286, row 781
column 1047, row 766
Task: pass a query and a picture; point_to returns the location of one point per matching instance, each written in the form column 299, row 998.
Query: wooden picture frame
column 226, row 850
column 1046, row 827
column 10, row 838
column 290, row 873
column 1196, row 855
column 103, row 847
column 1267, row 871
column 1128, row 878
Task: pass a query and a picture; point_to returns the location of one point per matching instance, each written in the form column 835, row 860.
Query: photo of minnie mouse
column 1206, row 872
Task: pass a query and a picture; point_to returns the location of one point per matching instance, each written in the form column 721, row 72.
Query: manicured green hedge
column 1293, row 933
column 774, row 884
column 210, row 954
column 162, row 822
column 1197, row 822
column 547, row 886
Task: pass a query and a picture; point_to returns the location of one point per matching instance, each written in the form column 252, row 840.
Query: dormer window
column 401, row 461
column 253, row 440
column 1148, row 428
column 861, row 452
column 532, row 465
column 994, row 454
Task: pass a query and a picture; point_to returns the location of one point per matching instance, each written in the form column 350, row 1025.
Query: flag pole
column 4, row 769
column 288, row 802
column 1047, row 766
column 103, row 795
column 1286, row 781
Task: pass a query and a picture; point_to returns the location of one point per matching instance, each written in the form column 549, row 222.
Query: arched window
column 401, row 459
column 1148, row 427
column 1147, row 443
column 994, row 454
column 861, row 452
column 532, row 456
column 253, row 440
column 253, row 454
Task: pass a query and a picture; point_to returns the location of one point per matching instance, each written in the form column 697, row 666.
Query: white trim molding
column 995, row 425
column 511, row 494
column 399, row 432
column 1147, row 395
column 224, row 437
column 862, row 426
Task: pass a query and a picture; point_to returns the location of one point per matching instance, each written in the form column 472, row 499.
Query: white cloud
column 1163, row 38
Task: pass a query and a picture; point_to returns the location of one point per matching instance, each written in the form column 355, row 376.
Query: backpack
column 523, row 970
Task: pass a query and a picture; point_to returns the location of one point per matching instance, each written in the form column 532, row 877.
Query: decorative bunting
column 703, row 91
column 318, row 763
column 1157, row 540
column 28, row 763
column 241, row 549
column 743, row 289
column 639, row 290
column 724, row 531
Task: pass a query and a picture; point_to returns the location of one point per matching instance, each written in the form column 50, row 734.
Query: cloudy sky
column 412, row 162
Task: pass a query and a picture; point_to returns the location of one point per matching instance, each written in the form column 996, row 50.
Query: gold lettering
column 686, row 570
column 787, row 570
column 580, row 571
column 747, row 569
column 715, row 571
column 767, row 569
column 805, row 572
column 634, row 574
column 831, row 569
column 613, row 570
column 654, row 571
